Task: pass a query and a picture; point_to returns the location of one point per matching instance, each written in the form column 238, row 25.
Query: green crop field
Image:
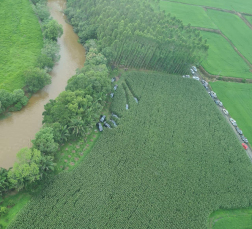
column 195, row 15
column 249, row 18
column 20, row 41
column 237, row 98
column 243, row 6
column 222, row 58
column 171, row 162
column 235, row 29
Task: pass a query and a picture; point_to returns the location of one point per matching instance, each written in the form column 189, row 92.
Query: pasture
column 195, row 15
column 170, row 163
column 235, row 29
column 237, row 98
column 222, row 59
column 20, row 42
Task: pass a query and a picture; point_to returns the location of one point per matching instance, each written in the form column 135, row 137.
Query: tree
column 4, row 182
column 52, row 30
column 46, row 165
column 44, row 141
column 51, row 50
column 36, row 79
column 6, row 98
column 45, row 62
column 26, row 169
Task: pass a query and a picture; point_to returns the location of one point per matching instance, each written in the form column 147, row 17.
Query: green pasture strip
column 222, row 59
column 195, row 15
column 237, row 99
column 249, row 18
column 244, row 6
column 14, row 203
column 171, row 162
column 20, row 42
column 235, row 29
column 231, row 219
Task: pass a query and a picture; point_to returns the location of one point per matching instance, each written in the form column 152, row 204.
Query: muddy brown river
column 20, row 128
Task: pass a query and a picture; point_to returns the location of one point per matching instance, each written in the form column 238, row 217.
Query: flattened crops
column 170, row 163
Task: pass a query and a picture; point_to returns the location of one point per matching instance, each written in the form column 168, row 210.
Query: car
column 111, row 95
column 239, row 131
column 225, row 111
column 220, row 104
column 233, row 122
column 213, row 94
column 203, row 82
column 192, row 71
column 217, row 101
column 136, row 99
column 103, row 118
column 113, row 79
column 107, row 125
column 115, row 115
column 99, row 126
column 115, row 87
column 184, row 76
column 187, row 76
column 194, row 68
column 113, row 122
column 244, row 146
column 127, row 106
column 196, row 77
column 244, row 139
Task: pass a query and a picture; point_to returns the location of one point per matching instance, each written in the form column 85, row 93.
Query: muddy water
column 17, row 130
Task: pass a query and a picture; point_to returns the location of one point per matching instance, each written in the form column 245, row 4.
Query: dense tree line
column 132, row 34
column 36, row 78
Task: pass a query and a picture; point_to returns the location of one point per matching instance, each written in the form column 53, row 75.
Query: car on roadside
column 113, row 79
column 115, row 87
column 194, row 68
column 233, row 121
column 213, row 94
column 244, row 139
column 187, row 76
column 114, row 115
column 99, row 126
column 239, row 131
column 244, row 146
column 192, row 71
column 103, row 118
column 127, row 106
column 196, row 77
column 220, row 104
column 111, row 95
column 114, row 123
column 217, row 101
column 107, row 125
column 225, row 111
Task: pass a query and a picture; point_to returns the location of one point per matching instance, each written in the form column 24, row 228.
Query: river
column 20, row 127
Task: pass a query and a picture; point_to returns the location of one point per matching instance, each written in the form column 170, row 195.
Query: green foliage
column 42, row 11
column 171, row 162
column 51, row 50
column 44, row 141
column 36, row 79
column 21, row 41
column 4, row 182
column 3, row 211
column 26, row 170
column 136, row 35
column 6, row 98
column 46, row 62
column 52, row 30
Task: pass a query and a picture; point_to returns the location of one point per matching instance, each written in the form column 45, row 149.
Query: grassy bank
column 20, row 42
column 237, row 98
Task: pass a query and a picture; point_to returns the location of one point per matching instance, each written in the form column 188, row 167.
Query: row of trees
column 36, row 78
column 131, row 33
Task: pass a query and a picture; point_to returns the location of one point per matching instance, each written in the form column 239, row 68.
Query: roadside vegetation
column 237, row 98
column 26, row 56
column 133, row 174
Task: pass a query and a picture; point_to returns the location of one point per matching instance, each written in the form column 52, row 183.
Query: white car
column 192, row 71
column 225, row 111
column 213, row 94
column 194, row 68
column 233, row 122
column 196, row 77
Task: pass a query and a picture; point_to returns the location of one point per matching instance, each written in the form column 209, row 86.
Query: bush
column 3, row 211
column 51, row 50
column 18, row 106
column 52, row 30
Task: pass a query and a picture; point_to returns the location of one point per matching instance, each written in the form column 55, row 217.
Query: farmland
column 20, row 42
column 170, row 163
column 222, row 59
column 237, row 98
column 195, row 15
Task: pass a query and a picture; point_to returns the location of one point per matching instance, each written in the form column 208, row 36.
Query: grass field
column 237, row 98
column 249, row 18
column 231, row 219
column 195, row 15
column 235, row 29
column 171, row 162
column 244, row 6
column 222, row 58
column 20, row 41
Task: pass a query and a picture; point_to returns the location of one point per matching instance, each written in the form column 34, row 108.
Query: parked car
column 194, row 68
column 113, row 80
column 187, row 76
column 244, row 139
column 103, row 118
column 127, row 106
column 107, row 125
column 213, row 94
column 217, row 101
column 113, row 122
column 220, row 104
column 225, row 111
column 136, row 99
column 111, row 95
column 196, row 77
column 115, row 115
column 233, row 122
column 115, row 87
column 244, row 146
column 99, row 126
column 203, row 82
column 192, row 71
column 239, row 131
